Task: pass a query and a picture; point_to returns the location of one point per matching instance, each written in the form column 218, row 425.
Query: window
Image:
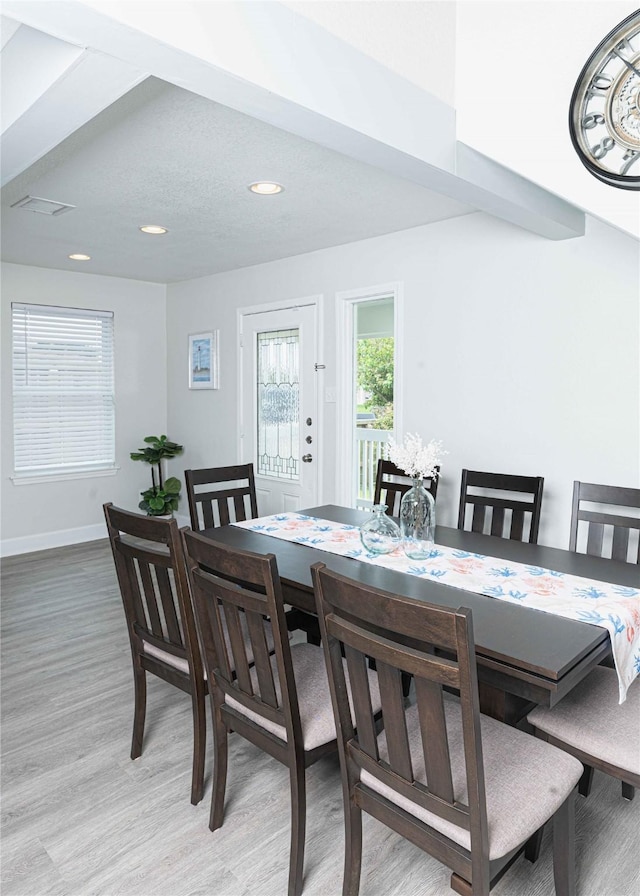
column 374, row 360
column 63, row 402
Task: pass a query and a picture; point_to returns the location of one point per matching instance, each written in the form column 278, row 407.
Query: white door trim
column 316, row 301
column 345, row 300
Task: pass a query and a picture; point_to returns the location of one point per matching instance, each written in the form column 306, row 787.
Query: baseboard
column 44, row 540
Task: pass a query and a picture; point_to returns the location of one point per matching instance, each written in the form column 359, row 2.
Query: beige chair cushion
column 177, row 662
column 314, row 697
column 526, row 780
column 182, row 665
column 590, row 719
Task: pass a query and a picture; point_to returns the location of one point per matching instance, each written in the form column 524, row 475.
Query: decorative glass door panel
column 278, row 393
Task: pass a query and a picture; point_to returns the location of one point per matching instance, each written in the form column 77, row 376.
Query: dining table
column 525, row 657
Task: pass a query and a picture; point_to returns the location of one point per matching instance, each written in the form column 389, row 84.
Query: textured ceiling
column 162, row 155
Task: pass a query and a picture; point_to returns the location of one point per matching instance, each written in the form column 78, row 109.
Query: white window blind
column 63, row 402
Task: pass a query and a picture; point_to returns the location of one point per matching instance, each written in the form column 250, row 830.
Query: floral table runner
column 614, row 607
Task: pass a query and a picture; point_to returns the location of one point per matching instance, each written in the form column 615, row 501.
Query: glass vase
column 380, row 534
column 417, row 521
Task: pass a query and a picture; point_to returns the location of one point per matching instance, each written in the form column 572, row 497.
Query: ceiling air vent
column 42, row 206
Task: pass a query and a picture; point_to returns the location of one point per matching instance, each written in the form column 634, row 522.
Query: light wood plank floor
column 81, row 819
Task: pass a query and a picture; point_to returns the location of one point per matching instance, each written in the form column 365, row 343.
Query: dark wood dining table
column 525, row 656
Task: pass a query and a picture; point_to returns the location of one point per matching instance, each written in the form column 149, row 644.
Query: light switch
column 330, row 396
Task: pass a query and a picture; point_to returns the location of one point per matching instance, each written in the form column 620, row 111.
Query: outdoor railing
column 370, row 444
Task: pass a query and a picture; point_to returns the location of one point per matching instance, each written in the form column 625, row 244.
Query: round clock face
column 604, row 116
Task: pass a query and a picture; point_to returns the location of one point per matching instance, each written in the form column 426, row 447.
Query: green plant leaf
column 156, row 449
column 172, row 486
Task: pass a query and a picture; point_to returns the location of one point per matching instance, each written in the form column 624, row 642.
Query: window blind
column 63, row 397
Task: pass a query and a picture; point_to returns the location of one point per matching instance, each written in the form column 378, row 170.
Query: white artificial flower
column 416, row 459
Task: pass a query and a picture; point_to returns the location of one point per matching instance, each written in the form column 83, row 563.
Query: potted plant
column 163, row 496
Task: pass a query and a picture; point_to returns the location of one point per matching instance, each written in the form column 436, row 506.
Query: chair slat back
column 392, row 483
column 404, row 635
column 233, row 500
column 495, row 513
column 151, row 572
column 608, row 532
column 243, row 589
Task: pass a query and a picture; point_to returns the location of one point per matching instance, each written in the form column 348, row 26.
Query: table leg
column 501, row 705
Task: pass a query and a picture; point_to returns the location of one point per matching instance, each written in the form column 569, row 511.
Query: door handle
column 306, row 458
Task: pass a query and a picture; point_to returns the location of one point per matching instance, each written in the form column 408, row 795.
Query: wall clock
column 604, row 113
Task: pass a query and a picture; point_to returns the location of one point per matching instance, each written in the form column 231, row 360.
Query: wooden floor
column 81, row 819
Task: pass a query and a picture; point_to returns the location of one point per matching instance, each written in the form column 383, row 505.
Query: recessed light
column 266, row 188
column 77, row 256
column 153, row 228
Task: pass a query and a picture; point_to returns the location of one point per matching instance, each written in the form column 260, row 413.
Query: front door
column 279, row 431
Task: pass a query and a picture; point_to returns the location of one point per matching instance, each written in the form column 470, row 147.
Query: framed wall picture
column 204, row 360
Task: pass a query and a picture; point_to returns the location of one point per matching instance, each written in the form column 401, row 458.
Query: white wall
column 546, row 44
column 53, row 513
column 414, row 39
column 521, row 354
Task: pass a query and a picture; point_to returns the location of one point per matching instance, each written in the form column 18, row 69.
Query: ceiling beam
column 91, row 83
column 34, row 61
column 514, row 198
column 264, row 60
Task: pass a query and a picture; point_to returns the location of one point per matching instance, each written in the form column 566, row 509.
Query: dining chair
column 605, row 531
column 467, row 789
column 495, row 510
column 282, row 705
column 150, row 567
column 221, row 495
column 590, row 724
column 392, row 483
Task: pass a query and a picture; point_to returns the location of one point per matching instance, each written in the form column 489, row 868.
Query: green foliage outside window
column 375, row 364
